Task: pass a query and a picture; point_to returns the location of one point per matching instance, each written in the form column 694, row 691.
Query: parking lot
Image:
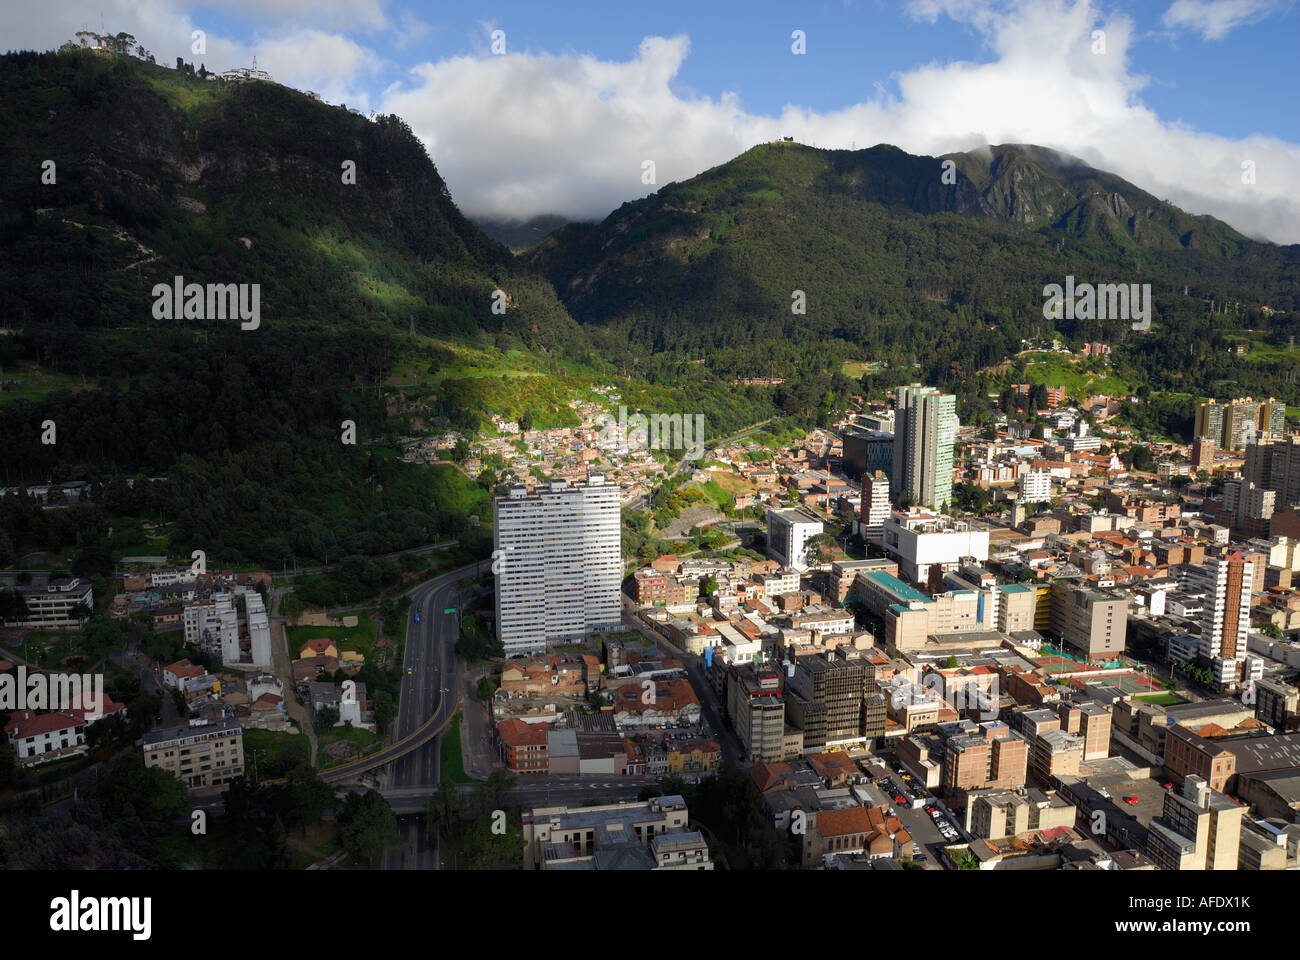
column 928, row 832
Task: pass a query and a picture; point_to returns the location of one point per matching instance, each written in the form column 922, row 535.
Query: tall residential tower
column 925, row 429
column 558, row 563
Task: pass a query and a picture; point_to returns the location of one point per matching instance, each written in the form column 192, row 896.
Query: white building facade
column 558, row 563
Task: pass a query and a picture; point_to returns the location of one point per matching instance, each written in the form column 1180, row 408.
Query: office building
column 1273, row 463
column 788, row 533
column 925, row 429
column 558, row 562
column 866, row 451
column 920, row 540
column 834, row 701
column 1277, row 704
column 206, row 755
column 1198, row 829
column 1093, row 622
column 757, row 710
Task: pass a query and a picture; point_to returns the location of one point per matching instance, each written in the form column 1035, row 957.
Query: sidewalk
column 476, row 752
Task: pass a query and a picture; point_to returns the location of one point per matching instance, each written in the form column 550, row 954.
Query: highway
column 428, row 703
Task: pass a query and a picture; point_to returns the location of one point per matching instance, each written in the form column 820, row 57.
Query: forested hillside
column 898, row 265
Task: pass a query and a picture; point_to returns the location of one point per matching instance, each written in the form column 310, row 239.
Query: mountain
column 895, row 263
column 118, row 175
column 520, row 234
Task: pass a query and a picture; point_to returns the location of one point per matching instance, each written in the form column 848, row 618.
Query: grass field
column 1160, row 699
column 1054, row 370
column 452, row 766
column 360, row 638
column 35, row 382
column 364, row 740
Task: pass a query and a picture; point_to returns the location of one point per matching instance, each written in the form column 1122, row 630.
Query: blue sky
column 1184, row 94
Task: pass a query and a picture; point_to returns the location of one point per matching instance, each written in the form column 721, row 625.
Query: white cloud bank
column 525, row 134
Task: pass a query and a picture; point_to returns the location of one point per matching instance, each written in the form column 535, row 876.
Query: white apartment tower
column 558, row 563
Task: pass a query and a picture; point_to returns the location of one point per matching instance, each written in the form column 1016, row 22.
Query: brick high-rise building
column 1225, row 621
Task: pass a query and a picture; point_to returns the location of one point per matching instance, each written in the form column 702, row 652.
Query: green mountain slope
column 896, row 264
column 156, row 174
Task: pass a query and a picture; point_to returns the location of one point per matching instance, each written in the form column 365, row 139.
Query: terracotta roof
column 27, row 723
column 835, row 823
column 516, row 733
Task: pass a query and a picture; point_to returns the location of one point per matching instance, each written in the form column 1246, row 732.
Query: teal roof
column 895, row 586
column 1013, row 588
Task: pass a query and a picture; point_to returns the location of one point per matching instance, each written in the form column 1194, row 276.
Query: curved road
column 429, row 701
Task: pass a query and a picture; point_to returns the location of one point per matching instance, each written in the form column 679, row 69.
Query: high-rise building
column 757, row 711
column 1203, row 454
column 925, row 428
column 1225, row 620
column 834, row 701
column 1209, row 421
column 1035, row 486
column 558, row 562
column 866, row 451
column 1274, row 464
column 875, row 505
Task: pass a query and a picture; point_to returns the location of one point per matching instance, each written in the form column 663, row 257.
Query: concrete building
column 920, row 540
column 925, row 429
column 1035, row 486
column 1277, row 704
column 652, row 835
column 834, row 701
column 788, row 533
column 757, row 710
column 204, row 755
column 1054, row 754
column 1093, row 622
column 997, row 814
column 259, row 631
column 1199, row 829
column 63, row 603
column 875, row 506
column 558, row 557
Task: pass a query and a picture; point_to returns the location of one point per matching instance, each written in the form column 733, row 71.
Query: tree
column 367, row 825
column 820, row 549
column 442, row 806
column 325, row 718
column 309, row 797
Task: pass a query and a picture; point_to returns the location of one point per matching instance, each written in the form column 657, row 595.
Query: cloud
column 1215, row 19
column 531, row 133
